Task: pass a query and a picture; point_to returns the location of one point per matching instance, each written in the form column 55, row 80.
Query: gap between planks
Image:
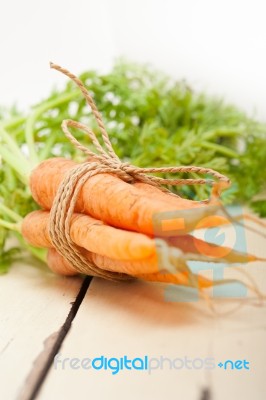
column 52, row 345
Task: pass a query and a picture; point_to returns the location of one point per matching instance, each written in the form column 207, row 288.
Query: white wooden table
column 42, row 315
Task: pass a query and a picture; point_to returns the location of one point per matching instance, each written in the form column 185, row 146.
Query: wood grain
column 34, row 306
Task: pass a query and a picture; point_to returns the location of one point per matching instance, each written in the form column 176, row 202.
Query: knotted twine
column 105, row 161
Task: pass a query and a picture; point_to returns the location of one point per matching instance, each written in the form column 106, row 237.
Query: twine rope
column 105, row 161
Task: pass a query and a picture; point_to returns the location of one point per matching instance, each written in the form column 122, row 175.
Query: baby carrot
column 108, row 198
column 58, row 264
column 91, row 234
column 153, row 191
column 124, row 246
column 133, row 267
column 173, row 200
column 61, row 266
column 178, row 278
column 193, row 245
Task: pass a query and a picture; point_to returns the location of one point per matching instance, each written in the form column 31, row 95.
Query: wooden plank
column 245, row 341
column 118, row 319
column 134, row 319
column 34, row 305
column 242, row 335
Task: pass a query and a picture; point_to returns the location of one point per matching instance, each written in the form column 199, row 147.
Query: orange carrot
column 193, row 245
column 153, row 191
column 157, row 263
column 149, row 265
column 61, row 266
column 91, row 234
column 146, row 266
column 58, row 264
column 178, row 278
column 108, row 198
column 173, row 201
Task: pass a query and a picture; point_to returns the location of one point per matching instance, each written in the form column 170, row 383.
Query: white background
column 217, row 45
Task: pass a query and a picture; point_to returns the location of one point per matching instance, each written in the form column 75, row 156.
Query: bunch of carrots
column 115, row 225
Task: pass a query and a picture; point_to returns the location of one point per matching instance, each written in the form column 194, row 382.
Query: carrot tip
column 259, row 259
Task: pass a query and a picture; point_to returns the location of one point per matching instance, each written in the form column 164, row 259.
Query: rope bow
column 106, row 161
